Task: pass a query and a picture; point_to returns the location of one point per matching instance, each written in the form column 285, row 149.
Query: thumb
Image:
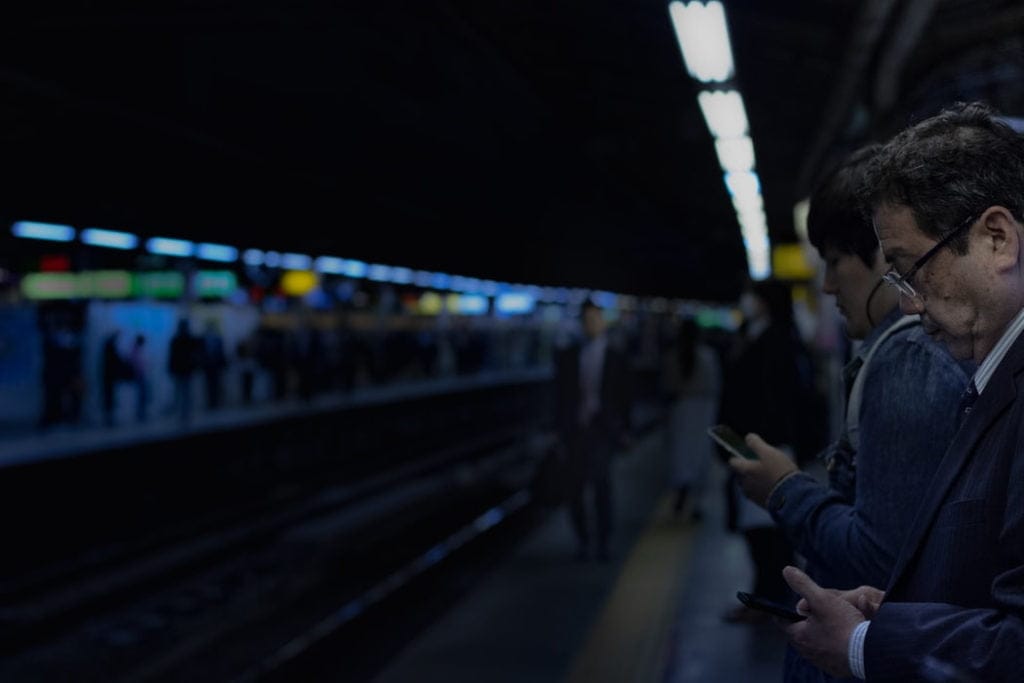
column 763, row 449
column 742, row 465
column 754, row 440
column 867, row 606
column 803, row 585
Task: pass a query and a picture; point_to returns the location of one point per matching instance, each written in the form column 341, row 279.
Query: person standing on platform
column 181, row 364
column 245, row 354
column 139, row 373
column 903, row 390
column 765, row 378
column 114, row 369
column 593, row 416
column 694, row 381
column 947, row 199
column 213, row 360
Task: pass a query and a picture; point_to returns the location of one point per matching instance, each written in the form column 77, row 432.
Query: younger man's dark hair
column 839, row 217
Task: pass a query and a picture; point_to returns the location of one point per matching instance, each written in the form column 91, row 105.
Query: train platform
column 650, row 613
column 23, row 443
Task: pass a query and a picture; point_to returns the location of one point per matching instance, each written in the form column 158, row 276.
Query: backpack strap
column 856, row 393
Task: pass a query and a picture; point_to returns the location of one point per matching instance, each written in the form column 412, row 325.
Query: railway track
column 228, row 603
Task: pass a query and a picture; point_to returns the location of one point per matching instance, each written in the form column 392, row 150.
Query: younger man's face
column 851, row 282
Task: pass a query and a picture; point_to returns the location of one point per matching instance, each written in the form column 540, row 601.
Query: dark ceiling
column 549, row 143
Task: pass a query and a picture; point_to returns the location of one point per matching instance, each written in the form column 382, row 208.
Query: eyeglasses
column 902, row 282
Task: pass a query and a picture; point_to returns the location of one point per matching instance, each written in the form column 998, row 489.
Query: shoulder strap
column 853, row 403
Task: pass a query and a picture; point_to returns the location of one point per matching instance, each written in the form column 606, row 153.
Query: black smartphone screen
column 770, row 606
column 731, row 441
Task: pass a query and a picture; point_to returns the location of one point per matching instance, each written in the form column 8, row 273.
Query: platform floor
column 651, row 613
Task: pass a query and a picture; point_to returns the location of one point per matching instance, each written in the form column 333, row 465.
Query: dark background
column 538, row 142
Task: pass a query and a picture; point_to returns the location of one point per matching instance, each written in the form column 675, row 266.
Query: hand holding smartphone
column 776, row 609
column 728, row 439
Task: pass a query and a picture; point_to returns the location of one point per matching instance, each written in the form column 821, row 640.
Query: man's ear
column 1002, row 237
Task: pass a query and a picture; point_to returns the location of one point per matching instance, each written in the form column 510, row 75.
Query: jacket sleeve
column 985, row 640
column 933, row 641
column 907, row 420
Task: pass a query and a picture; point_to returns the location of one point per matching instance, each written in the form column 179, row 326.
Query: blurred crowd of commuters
column 132, row 373
column 298, row 356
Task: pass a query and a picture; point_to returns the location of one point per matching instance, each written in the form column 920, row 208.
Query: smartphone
column 770, row 606
column 731, row 441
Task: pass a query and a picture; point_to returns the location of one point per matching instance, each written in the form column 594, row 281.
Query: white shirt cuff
column 855, row 652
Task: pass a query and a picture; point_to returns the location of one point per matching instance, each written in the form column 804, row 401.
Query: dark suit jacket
column 762, row 384
column 956, row 595
column 612, row 419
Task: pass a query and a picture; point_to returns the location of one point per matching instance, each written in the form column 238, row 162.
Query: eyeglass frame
column 902, row 282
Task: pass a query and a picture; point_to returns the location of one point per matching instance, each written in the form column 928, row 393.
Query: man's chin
column 852, row 331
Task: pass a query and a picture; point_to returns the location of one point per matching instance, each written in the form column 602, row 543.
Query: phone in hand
column 770, row 606
column 728, row 439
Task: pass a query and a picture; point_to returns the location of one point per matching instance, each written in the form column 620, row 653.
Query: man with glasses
column 948, row 205
column 903, row 392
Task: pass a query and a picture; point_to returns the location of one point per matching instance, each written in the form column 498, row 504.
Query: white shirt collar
column 998, row 352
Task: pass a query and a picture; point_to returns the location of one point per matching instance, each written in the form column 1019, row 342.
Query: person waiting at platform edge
column 593, row 404
column 903, row 391
column 947, row 197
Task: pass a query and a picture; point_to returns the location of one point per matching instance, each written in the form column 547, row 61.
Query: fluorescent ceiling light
column 355, row 269
column 169, row 247
column 43, row 231
column 744, row 184
column 752, row 219
column 112, row 239
column 296, row 261
column 216, row 252
column 704, row 40
column 755, row 240
column 379, row 272
column 724, row 113
column 401, row 276
column 440, row 281
column 422, row 278
column 759, row 265
column 330, row 264
column 748, row 203
column 735, row 154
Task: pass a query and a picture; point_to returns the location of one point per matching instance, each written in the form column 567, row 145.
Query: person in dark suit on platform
column 766, row 377
column 948, row 203
column 593, row 419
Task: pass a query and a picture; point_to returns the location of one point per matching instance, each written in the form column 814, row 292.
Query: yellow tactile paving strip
column 631, row 638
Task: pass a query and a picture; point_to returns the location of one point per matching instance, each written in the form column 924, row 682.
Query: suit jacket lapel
column 998, row 395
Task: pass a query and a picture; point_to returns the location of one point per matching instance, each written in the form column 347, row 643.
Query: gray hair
column 949, row 168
